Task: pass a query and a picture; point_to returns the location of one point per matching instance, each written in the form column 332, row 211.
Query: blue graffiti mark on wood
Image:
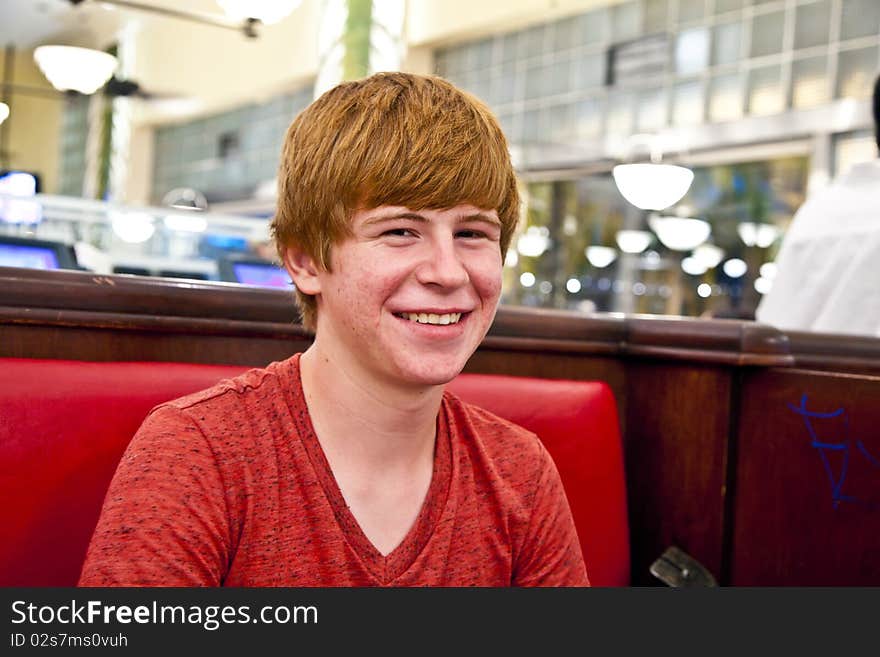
column 823, row 446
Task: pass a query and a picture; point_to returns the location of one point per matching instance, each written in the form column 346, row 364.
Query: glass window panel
column 853, row 148
column 687, row 103
column 766, row 95
column 812, row 23
column 859, row 18
column 482, row 86
column 727, row 44
column 558, row 76
column 565, row 34
column 626, row 20
column 588, row 118
column 652, row 110
column 532, row 44
column 692, row 51
column 620, row 114
column 594, row 27
column 509, row 47
column 656, row 16
column 590, row 71
column 767, row 32
column 856, row 71
column 559, row 119
column 504, row 85
column 809, row 82
column 531, row 126
column 537, row 80
column 691, row 10
column 722, row 6
column 482, row 54
column 725, row 98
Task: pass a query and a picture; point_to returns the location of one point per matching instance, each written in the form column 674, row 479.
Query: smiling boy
column 348, row 464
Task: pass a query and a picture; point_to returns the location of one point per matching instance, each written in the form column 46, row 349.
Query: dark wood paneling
column 83, row 343
column 804, row 514
column 676, row 445
column 838, row 353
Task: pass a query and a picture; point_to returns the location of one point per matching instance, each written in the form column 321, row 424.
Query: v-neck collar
column 385, row 568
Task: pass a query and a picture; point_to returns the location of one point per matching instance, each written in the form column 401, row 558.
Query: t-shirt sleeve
column 164, row 521
column 550, row 554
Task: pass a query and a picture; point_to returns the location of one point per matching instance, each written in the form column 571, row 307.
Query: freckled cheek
column 487, row 282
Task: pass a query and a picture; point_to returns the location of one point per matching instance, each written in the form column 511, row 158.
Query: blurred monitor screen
column 32, row 253
column 30, row 257
column 261, row 274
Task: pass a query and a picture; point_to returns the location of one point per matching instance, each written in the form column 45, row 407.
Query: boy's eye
column 471, row 233
column 399, row 232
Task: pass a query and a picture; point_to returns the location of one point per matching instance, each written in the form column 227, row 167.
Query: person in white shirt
column 828, row 277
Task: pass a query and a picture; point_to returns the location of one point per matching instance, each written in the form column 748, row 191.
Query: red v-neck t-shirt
column 230, row 487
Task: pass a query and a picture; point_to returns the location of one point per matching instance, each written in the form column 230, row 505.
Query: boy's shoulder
column 234, row 399
column 502, row 439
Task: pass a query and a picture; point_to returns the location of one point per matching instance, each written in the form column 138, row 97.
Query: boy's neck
column 380, row 426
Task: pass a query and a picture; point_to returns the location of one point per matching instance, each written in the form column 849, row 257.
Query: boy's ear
column 303, row 270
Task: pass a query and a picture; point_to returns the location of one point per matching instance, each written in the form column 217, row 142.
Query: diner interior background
column 764, row 100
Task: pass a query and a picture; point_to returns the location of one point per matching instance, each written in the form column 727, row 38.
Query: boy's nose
column 442, row 266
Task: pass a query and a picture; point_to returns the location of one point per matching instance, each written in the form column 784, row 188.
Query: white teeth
column 431, row 318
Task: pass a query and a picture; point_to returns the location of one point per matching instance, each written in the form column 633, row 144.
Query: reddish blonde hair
column 389, row 139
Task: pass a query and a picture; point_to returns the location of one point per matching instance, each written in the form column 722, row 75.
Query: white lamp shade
column 600, row 256
column 755, row 234
column 533, row 242
column 691, row 265
column 75, row 69
column 4, row 112
column 709, row 254
column 679, row 233
column 133, row 227
column 652, row 186
column 266, row 11
column 633, row 241
column 735, row 267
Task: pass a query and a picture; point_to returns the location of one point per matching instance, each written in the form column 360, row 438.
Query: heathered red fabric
column 229, row 486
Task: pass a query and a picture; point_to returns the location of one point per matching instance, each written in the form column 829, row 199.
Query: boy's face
column 411, row 294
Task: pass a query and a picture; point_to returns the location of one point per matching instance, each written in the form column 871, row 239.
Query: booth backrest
column 65, row 424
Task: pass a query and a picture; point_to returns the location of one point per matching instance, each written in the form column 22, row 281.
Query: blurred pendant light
column 600, row 256
column 4, row 112
column 709, row 255
column 651, row 185
column 757, row 234
column 680, row 233
column 265, row 11
column 633, row 241
column 69, row 68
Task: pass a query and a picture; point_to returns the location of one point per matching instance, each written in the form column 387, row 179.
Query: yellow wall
column 31, row 138
column 222, row 68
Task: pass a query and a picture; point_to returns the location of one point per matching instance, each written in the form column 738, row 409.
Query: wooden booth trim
column 121, row 302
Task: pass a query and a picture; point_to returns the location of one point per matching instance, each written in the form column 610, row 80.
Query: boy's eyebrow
column 415, row 216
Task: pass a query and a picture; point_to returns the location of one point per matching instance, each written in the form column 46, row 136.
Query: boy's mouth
column 431, row 318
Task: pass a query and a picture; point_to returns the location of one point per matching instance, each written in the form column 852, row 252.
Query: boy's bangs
column 479, row 178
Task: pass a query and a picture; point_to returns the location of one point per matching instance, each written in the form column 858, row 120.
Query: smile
column 431, row 318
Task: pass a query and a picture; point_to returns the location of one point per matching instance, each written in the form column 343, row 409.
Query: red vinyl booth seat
column 65, row 424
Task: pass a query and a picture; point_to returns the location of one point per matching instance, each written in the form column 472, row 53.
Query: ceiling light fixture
column 651, row 185
column 600, row 256
column 69, row 68
column 633, row 241
column 679, row 233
